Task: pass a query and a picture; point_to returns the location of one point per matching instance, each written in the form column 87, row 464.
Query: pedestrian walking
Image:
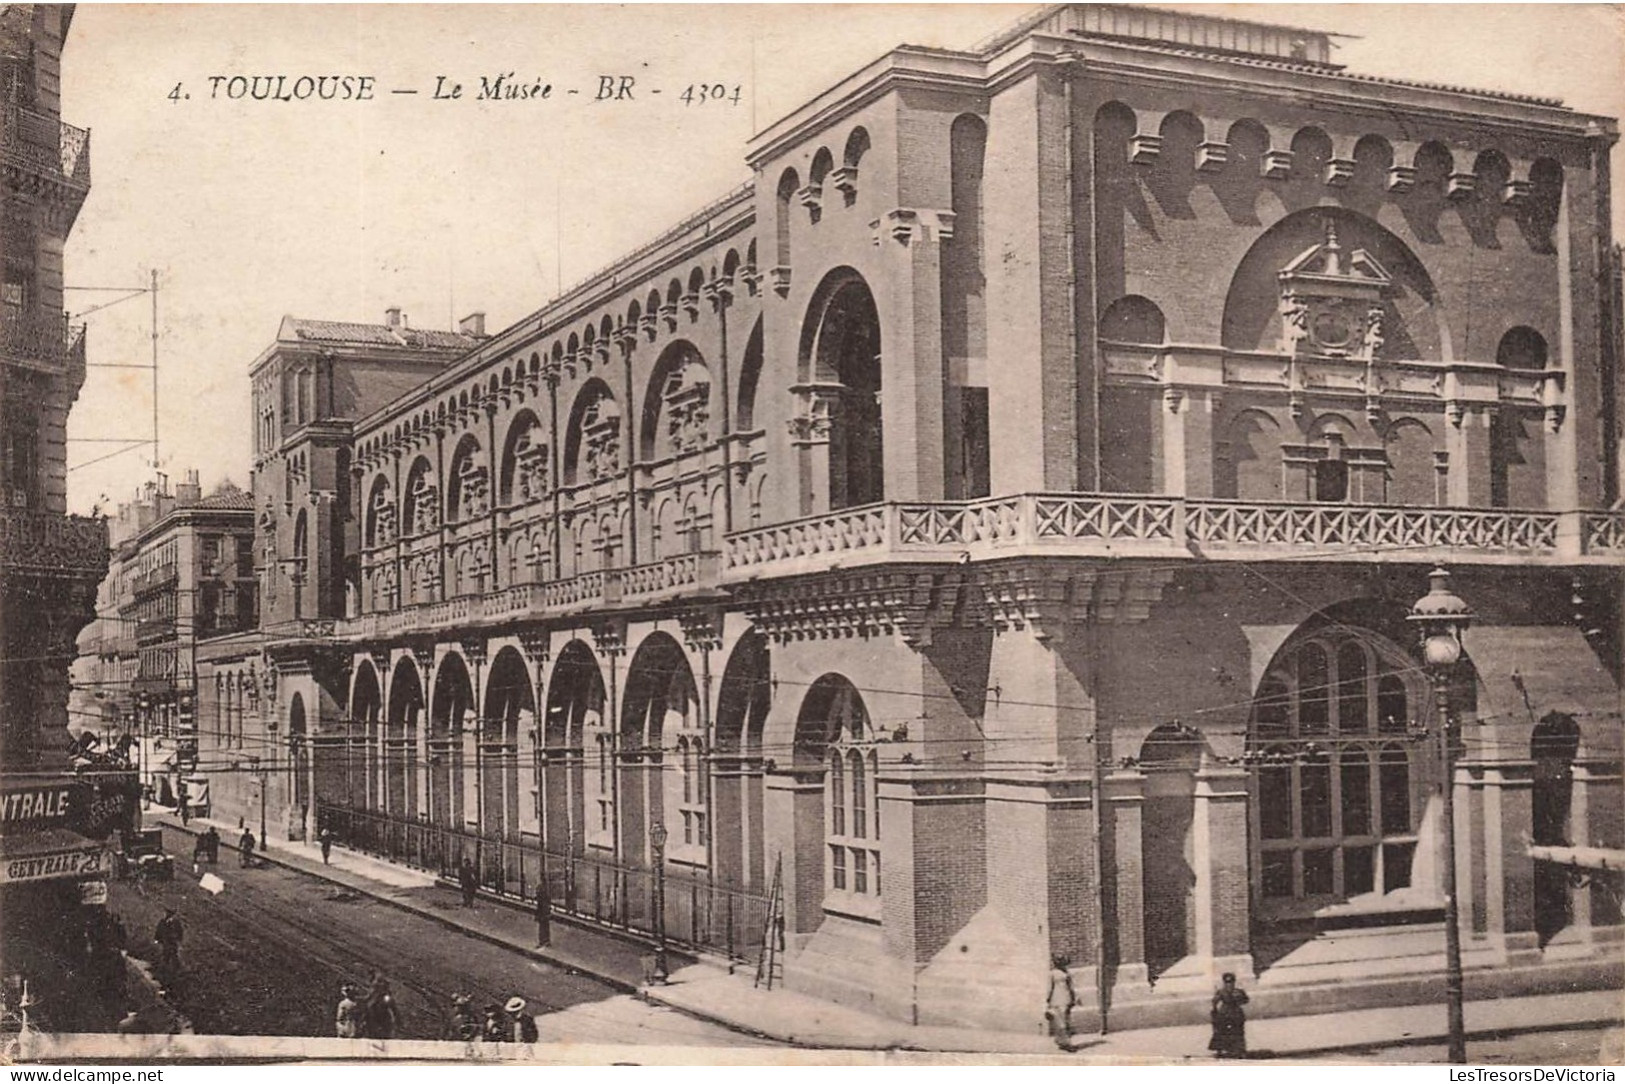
column 1058, row 1003
column 544, row 913
column 1229, row 1019
column 183, row 807
column 213, row 838
column 246, row 847
column 469, row 881
column 383, row 1018
column 326, row 838
column 168, row 934
column 495, row 1029
column 524, row 1024
column 346, row 1018
column 462, row 1018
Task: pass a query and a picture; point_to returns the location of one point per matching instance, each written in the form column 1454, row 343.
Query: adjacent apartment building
column 54, row 818
column 182, row 571
column 987, row 536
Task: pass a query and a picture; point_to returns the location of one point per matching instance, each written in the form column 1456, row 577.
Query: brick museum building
column 989, row 534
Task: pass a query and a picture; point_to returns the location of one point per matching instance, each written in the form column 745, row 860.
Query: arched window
column 840, row 353
column 788, row 183
column 1521, row 348
column 470, row 490
column 1133, row 319
column 834, row 728
column 525, row 464
column 1335, row 815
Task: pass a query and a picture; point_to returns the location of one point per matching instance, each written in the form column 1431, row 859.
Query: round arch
column 1341, row 794
column 525, row 468
column 841, row 348
column 1413, row 324
column 676, row 404
column 400, row 740
column 578, row 756
column 663, row 778
column 592, row 439
column 743, row 701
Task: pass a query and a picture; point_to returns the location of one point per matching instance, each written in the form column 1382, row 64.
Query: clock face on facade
column 1332, row 328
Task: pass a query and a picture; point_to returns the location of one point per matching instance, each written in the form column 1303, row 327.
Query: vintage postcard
column 838, row 534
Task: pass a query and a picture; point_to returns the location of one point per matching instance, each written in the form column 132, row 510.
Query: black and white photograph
column 812, row 534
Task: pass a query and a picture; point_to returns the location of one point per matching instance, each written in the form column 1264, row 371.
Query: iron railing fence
column 700, row 913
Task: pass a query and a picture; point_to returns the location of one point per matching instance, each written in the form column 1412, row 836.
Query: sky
column 252, row 210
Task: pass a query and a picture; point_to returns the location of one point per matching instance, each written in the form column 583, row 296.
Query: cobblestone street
column 267, row 955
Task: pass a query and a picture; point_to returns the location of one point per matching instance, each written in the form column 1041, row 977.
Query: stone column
column 911, row 344
column 1467, row 439
column 1509, row 872
column 1123, row 793
column 1219, row 833
column 794, row 812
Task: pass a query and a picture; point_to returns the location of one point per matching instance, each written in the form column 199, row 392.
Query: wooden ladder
column 770, row 964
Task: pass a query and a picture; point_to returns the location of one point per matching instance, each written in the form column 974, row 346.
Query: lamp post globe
column 1440, row 617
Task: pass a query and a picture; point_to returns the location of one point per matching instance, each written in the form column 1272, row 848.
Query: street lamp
column 657, row 841
column 1440, row 617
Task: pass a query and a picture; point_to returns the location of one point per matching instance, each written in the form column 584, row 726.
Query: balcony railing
column 49, row 542
column 45, row 145
column 1115, row 525
column 1046, row 524
column 607, row 589
column 41, row 341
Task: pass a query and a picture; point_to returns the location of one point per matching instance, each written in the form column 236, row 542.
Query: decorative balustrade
column 1604, row 532
column 1127, row 525
column 1045, row 524
column 686, row 571
column 50, row 542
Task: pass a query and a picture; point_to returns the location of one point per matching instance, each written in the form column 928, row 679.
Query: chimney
column 189, row 491
column 473, row 324
column 392, row 316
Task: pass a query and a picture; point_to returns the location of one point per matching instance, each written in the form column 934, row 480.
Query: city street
column 267, row 955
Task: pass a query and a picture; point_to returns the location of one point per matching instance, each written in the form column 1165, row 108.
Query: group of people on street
column 373, row 1015
column 206, row 847
column 509, row 1023
column 1227, row 1014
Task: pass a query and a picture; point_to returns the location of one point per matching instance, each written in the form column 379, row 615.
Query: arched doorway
column 400, row 742
column 742, row 706
column 1344, row 817
column 510, row 713
column 1170, row 757
column 663, row 768
column 361, row 763
column 578, row 790
column 1553, row 745
column 450, row 718
column 841, row 364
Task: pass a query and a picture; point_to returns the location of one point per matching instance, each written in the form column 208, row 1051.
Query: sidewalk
column 708, row 990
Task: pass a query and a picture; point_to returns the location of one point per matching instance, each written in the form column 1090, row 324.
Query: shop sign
column 45, row 867
column 39, row 805
column 93, row 893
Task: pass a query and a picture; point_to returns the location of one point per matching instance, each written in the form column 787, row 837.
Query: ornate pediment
column 1332, row 301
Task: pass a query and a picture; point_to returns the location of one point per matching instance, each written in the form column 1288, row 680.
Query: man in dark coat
column 382, row 1016
column 469, row 881
column 246, row 844
column 168, row 935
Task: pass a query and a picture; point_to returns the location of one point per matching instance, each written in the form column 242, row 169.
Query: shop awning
column 50, row 854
